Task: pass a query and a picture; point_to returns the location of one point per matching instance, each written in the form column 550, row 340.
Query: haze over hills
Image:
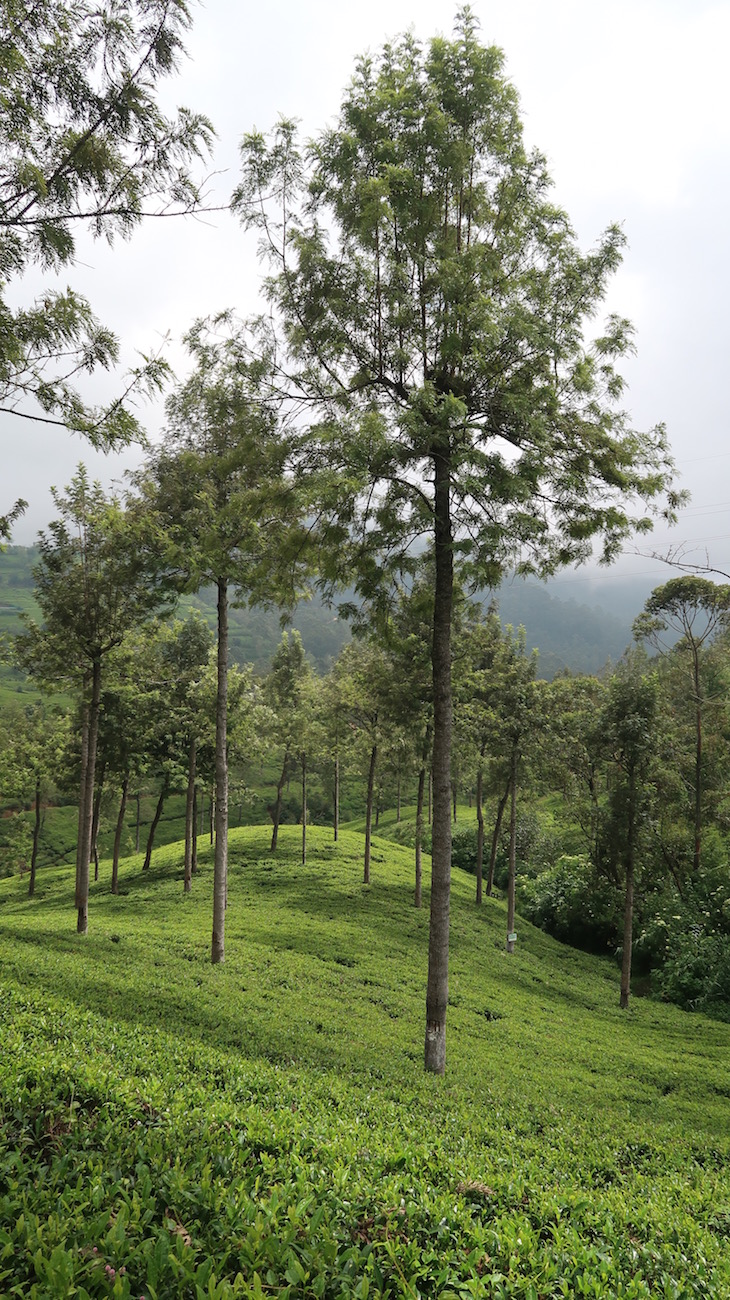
column 569, row 633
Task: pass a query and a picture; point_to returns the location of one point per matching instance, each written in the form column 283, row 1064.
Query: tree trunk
column 276, row 815
column 437, row 993
column 453, row 799
column 337, row 796
column 211, row 817
column 190, row 815
column 220, row 877
column 86, row 805
column 304, row 808
column 36, row 836
column 369, row 812
column 480, row 833
column 194, row 854
column 154, row 824
column 417, row 899
column 495, row 839
column 512, row 854
column 628, row 902
column 118, row 834
column 95, row 819
column 430, row 797
column 397, row 815
column 136, row 833
column 698, row 765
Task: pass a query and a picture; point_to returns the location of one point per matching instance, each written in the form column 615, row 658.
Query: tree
column 30, row 747
column 696, row 610
column 93, row 584
column 83, row 146
column 231, row 514
column 433, row 302
column 286, row 689
column 629, row 732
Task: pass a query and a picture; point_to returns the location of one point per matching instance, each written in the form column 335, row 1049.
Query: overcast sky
column 629, row 100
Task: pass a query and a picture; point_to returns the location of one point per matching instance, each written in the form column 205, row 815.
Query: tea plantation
column 265, row 1128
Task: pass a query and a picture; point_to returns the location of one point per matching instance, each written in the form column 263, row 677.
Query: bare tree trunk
column 337, row 796
column 220, row 878
column 118, row 834
column 95, row 819
column 369, row 812
column 437, row 993
column 194, row 854
column 453, row 798
column 628, row 902
column 495, row 839
column 480, row 833
column 154, row 824
column 190, row 815
column 512, row 855
column 276, row 815
column 36, row 836
column 136, row 833
column 86, row 808
column 304, row 808
column 202, row 811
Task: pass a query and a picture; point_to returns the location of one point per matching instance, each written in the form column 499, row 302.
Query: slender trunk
column 211, row 817
column 480, row 833
column 304, row 808
column 95, row 819
column 36, row 836
column 337, row 796
column 86, row 812
column 220, row 878
column 190, row 815
column 698, row 766
column 154, row 824
column 628, row 900
column 512, row 855
column 194, row 854
column 118, row 834
column 437, row 994
column 417, row 899
column 277, row 806
column 83, row 777
column 369, row 812
column 495, row 838
column 136, row 833
column 430, row 797
column 397, row 815
column 453, row 799
column 202, row 811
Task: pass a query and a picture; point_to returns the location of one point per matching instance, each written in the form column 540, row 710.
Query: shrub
column 572, row 903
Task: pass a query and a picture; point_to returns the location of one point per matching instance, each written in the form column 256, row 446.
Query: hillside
column 172, row 1129
column 568, row 633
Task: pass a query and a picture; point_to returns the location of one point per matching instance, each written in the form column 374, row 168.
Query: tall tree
column 433, row 302
column 93, row 584
column 232, row 514
column 84, row 146
column 694, row 610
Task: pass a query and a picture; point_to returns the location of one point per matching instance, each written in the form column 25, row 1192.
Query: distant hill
column 568, row 633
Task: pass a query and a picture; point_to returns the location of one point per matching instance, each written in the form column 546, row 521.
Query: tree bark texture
column 628, row 901
column 36, row 837
column 369, row 812
column 220, row 876
column 86, row 806
column 437, row 992
column 190, row 815
column 154, row 824
column 495, row 839
column 480, row 833
column 118, row 834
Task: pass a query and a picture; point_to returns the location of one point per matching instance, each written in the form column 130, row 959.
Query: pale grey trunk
column 437, row 993
column 220, row 876
column 190, row 815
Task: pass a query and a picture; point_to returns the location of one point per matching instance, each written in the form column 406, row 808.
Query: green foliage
column 83, row 145
column 176, row 1130
column 573, row 904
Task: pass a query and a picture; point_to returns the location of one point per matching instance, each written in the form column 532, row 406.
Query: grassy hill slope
column 172, row 1129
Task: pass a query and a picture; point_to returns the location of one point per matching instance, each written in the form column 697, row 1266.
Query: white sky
column 629, row 100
